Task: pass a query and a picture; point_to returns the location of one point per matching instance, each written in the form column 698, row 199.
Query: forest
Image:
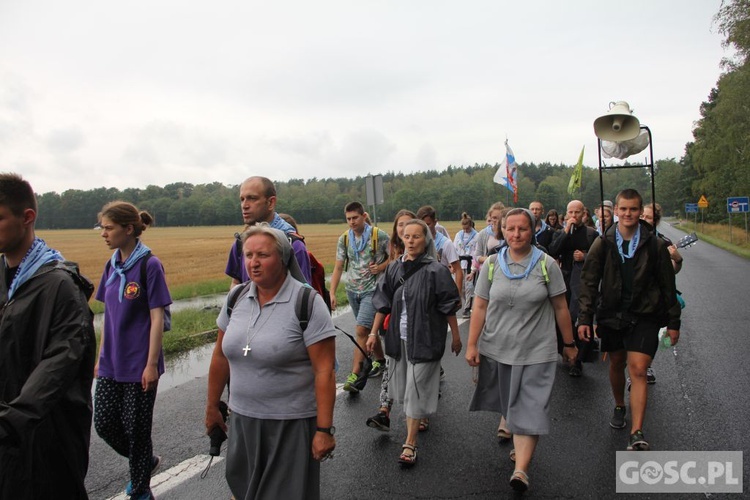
column 716, row 164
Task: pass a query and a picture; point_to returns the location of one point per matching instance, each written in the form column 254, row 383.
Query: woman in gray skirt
column 519, row 295
column 422, row 298
column 283, row 387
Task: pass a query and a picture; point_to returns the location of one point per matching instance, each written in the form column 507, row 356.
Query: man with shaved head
column 258, row 204
column 570, row 246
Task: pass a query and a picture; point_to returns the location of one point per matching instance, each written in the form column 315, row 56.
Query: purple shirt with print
column 127, row 324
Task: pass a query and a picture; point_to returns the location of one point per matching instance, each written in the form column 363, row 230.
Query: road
column 700, row 402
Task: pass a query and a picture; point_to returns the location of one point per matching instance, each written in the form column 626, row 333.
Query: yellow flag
column 575, row 179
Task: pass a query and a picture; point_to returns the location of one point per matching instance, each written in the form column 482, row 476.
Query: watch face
column 332, row 431
column 328, row 430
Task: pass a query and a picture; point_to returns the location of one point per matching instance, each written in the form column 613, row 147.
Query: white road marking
column 184, row 471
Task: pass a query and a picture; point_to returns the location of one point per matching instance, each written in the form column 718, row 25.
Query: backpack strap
column 304, row 305
column 236, row 294
column 144, row 274
column 543, row 263
column 346, row 250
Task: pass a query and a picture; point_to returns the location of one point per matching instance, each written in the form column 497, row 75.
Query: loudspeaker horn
column 618, row 124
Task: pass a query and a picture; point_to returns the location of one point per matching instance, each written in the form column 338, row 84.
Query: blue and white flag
column 507, row 174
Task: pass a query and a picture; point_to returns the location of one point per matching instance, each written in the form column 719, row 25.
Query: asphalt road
column 700, row 402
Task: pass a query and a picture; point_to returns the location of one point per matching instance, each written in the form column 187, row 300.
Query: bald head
column 575, row 212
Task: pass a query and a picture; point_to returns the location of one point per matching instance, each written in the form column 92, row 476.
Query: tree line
column 451, row 192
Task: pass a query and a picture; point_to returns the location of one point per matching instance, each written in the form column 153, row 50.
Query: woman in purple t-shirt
column 135, row 296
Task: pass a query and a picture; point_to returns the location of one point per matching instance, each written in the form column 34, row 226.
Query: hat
column 608, row 204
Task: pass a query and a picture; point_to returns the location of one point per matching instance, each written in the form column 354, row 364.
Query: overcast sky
column 126, row 94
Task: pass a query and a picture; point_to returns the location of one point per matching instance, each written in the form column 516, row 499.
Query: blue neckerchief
column 488, row 230
column 120, row 268
column 37, row 255
column 440, row 241
column 464, row 242
column 543, row 229
column 536, row 254
column 631, row 246
column 366, row 235
column 281, row 224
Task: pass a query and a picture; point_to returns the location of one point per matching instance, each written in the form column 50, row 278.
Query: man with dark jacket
column 637, row 298
column 570, row 246
column 543, row 234
column 47, row 350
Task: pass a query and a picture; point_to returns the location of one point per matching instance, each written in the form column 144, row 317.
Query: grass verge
column 718, row 235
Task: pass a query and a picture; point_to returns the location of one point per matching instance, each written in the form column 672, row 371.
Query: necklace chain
column 256, row 330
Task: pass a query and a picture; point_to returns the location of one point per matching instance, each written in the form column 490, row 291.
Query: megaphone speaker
column 618, row 124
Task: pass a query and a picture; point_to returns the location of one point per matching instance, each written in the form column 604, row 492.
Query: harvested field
column 190, row 254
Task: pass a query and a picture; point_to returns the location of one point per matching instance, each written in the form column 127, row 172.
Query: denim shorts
column 362, row 308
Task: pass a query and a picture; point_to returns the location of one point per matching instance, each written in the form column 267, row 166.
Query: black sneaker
column 350, row 384
column 576, row 370
column 638, row 442
column 381, row 422
column 618, row 418
column 377, row 368
column 650, row 377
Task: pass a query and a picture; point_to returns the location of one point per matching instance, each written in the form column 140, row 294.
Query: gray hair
column 283, row 246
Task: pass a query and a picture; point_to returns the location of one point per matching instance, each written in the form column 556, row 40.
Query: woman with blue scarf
column 519, row 295
column 130, row 355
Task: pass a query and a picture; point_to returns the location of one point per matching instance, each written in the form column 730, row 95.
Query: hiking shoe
column 381, row 422
column 618, row 418
column 351, row 383
column 155, row 463
column 467, row 313
column 377, row 368
column 638, row 442
column 650, row 377
column 576, row 370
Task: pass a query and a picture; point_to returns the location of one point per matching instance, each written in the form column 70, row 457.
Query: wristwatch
column 572, row 344
column 328, row 430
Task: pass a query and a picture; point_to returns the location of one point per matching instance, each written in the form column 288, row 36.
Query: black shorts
column 643, row 337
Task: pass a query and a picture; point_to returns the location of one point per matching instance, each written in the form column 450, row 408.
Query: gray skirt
column 271, row 459
column 416, row 386
column 520, row 393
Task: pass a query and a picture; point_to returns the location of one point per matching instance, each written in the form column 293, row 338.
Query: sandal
column 424, row 424
column 519, row 481
column 503, row 434
column 512, row 455
column 408, row 455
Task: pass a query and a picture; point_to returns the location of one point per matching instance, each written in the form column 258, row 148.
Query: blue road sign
column 738, row 204
column 691, row 208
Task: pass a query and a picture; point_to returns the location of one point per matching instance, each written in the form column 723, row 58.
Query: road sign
column 691, row 208
column 703, row 202
column 738, row 204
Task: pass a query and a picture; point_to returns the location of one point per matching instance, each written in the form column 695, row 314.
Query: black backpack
column 302, row 307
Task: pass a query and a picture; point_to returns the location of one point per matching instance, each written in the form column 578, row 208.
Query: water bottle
column 665, row 341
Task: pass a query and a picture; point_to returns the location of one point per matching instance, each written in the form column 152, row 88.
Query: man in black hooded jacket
column 47, row 350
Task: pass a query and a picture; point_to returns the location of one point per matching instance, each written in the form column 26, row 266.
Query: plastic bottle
column 665, row 341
